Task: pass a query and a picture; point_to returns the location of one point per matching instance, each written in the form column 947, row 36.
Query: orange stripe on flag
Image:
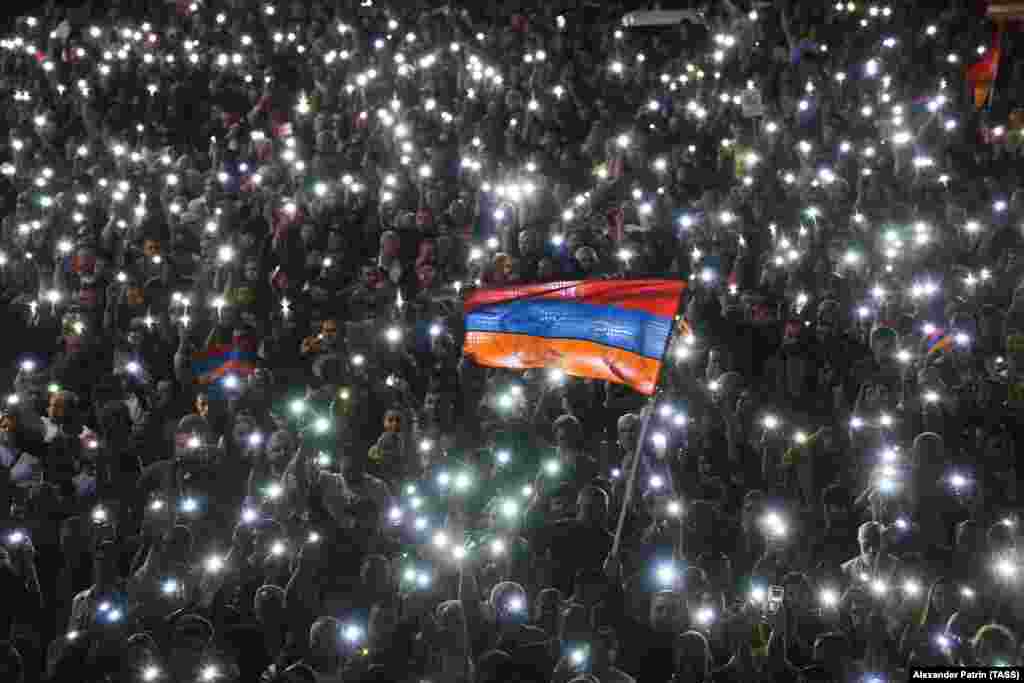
column 576, row 358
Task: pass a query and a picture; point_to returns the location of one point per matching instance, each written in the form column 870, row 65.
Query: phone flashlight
column 705, row 615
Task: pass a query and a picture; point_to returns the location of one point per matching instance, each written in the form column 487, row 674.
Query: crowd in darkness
column 243, row 443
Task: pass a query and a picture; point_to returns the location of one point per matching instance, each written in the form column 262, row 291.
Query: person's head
column 202, row 404
column 375, row 573
column 994, row 645
column 568, row 433
column 104, row 563
column 329, row 333
column 508, row 602
column 190, row 640
column 139, row 650
column 729, row 386
column 604, row 649
column 297, row 673
column 244, row 426
column 828, row 319
column 716, row 364
column 451, row 623
column 389, row 244
column 164, row 394
column 12, row 667
column 528, row 242
column 268, row 605
column 280, row 448
column 592, row 506
column 799, row 595
column 928, row 449
column 831, row 650
column 324, row 638
column 869, row 538
column 586, row 258
column 883, row 344
column 381, row 625
column 628, row 428
column 545, row 610
column 178, row 544
column 836, row 503
column 753, row 505
column 1001, row 538
column 61, row 405
column 434, row 406
column 74, row 538
column 665, row 612
column 353, row 462
column 938, row 605
column 693, row 656
column 574, row 624
column 494, row 667
column 968, row 538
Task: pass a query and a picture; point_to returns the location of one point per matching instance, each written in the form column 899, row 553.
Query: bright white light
column 1006, row 568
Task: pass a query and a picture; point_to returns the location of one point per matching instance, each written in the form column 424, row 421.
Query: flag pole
column 627, row 498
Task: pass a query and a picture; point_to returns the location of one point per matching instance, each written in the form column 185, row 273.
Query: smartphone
column 775, row 596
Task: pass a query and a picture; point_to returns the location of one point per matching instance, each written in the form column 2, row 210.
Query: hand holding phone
column 776, row 595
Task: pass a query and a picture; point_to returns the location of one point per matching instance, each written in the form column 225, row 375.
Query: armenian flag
column 937, row 342
column 614, row 330
column 981, row 76
column 219, row 360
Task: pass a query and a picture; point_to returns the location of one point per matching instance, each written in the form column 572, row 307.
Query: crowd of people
column 243, row 443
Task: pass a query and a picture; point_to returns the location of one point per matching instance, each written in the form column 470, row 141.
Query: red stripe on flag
column 657, row 297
